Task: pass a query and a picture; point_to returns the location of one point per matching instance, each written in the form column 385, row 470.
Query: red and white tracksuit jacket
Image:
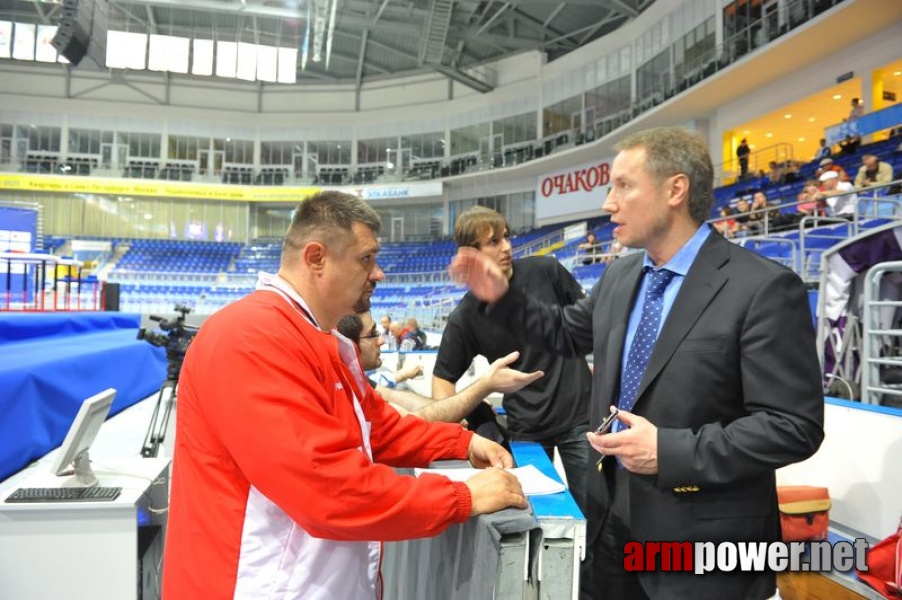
column 280, row 485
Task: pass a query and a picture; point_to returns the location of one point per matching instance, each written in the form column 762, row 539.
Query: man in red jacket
column 282, row 483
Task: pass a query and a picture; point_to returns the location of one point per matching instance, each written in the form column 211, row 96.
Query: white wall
column 860, row 461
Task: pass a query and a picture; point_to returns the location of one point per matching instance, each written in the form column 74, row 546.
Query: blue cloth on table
column 51, row 362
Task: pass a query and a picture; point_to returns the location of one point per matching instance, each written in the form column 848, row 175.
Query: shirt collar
column 684, row 258
column 275, row 282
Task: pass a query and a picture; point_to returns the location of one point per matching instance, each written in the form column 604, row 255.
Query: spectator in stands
column 827, row 164
column 413, row 338
column 726, row 225
column 742, row 216
column 873, row 171
column 499, row 378
column 839, row 195
column 762, row 220
column 554, row 410
column 395, row 331
column 742, row 153
column 790, row 172
column 775, row 173
column 855, row 113
column 824, row 151
column 731, row 391
column 590, row 248
column 385, row 323
column 850, row 144
column 282, row 467
column 809, row 202
column 590, row 243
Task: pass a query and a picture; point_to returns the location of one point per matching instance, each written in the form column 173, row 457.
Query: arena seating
column 178, row 256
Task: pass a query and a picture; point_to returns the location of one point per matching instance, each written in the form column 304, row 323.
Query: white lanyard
column 281, row 287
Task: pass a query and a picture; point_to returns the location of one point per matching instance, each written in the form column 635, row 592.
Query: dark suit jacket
column 734, row 386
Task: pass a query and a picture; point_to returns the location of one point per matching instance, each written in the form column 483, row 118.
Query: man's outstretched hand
column 480, row 273
column 506, row 380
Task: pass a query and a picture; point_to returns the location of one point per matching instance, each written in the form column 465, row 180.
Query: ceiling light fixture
column 837, row 96
column 320, row 30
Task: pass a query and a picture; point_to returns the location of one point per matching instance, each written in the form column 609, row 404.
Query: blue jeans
column 573, row 447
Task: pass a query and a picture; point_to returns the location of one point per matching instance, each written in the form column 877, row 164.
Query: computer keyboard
column 65, row 494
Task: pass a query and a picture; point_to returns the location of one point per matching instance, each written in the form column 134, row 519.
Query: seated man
column 762, row 220
column 838, row 195
column 873, row 171
column 361, row 330
column 827, row 164
column 590, row 249
column 413, row 338
column 850, row 144
column 823, row 152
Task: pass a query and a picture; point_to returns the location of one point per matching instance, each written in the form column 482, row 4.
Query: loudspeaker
column 71, row 41
column 110, row 297
column 82, row 31
column 74, row 33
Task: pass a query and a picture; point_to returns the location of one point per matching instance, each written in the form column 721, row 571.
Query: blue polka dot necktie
column 643, row 341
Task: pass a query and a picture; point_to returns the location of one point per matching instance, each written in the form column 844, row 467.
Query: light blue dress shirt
column 679, row 264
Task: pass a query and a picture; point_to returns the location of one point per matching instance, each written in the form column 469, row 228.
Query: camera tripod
column 159, row 423
column 178, row 337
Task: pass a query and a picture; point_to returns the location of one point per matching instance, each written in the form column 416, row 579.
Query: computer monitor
column 73, row 454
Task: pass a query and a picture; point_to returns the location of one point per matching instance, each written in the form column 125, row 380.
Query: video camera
column 176, row 340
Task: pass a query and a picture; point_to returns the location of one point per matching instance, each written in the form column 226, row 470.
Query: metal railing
column 757, row 243
column 781, row 153
column 881, row 343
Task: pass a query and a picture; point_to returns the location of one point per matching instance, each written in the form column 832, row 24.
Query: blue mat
column 52, row 362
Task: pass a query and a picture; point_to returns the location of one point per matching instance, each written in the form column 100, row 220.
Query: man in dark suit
column 732, row 387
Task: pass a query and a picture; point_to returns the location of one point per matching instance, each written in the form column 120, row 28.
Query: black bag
column 483, row 421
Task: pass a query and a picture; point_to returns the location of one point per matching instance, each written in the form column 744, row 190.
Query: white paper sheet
column 533, row 481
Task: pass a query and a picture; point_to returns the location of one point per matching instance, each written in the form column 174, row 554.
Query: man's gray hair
column 327, row 217
column 672, row 151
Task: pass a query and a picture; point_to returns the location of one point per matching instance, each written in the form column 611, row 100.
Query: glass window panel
column 239, row 151
column 6, row 38
column 168, row 53
column 267, row 63
column 202, row 61
column 557, row 117
column 246, row 68
column 23, row 43
column 125, row 50
column 465, row 140
column 288, row 65
column 226, row 59
column 44, row 51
